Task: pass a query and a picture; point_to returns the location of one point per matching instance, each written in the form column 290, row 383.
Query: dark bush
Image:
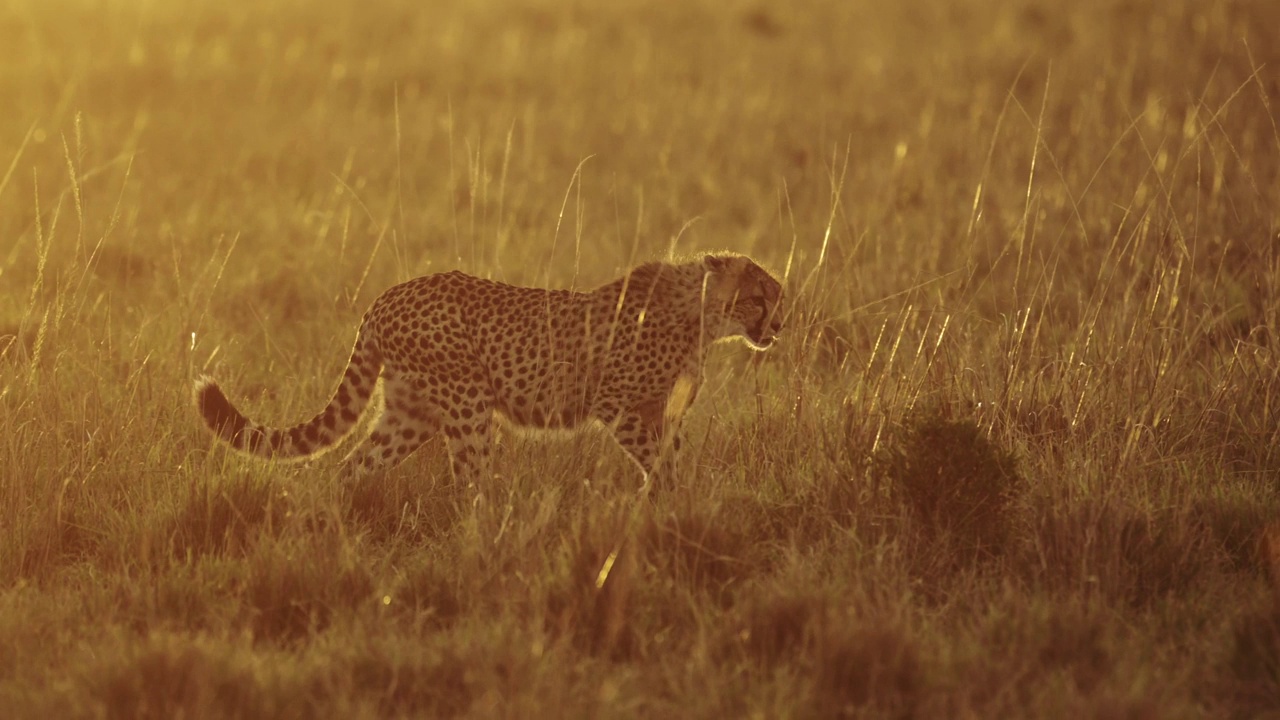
column 956, row 483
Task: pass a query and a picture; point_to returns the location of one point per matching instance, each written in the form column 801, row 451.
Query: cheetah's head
column 742, row 301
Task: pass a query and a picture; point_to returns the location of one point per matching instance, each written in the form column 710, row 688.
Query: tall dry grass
column 1016, row 455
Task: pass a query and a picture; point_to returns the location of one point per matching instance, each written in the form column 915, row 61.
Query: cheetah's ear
column 715, row 263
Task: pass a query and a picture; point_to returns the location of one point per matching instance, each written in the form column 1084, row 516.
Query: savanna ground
column 1015, row 456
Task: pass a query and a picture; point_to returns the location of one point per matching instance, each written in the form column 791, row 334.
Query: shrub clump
column 956, row 483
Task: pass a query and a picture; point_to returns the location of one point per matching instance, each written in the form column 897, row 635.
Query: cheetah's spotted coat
column 452, row 350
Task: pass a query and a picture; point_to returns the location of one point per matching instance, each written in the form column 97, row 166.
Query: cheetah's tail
column 305, row 439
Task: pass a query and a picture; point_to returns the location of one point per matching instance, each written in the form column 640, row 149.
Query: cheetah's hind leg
column 404, row 425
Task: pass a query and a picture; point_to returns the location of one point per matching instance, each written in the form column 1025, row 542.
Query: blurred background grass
column 1016, row 456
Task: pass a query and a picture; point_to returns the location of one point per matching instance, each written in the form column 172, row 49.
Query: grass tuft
column 781, row 626
column 401, row 507
column 589, row 599
column 868, row 670
column 428, row 595
column 63, row 534
column 227, row 518
column 292, row 591
column 1254, row 662
column 1014, row 454
column 400, row 683
column 177, row 676
column 699, row 551
column 1126, row 556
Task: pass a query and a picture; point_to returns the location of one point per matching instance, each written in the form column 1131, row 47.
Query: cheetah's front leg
column 652, row 440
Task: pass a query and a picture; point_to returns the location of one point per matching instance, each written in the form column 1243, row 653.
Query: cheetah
column 452, row 351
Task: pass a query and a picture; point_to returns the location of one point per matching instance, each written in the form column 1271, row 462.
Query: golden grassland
column 1016, row 455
